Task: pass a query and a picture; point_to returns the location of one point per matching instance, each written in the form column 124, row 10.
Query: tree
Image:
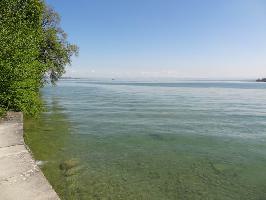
column 56, row 51
column 20, row 70
column 33, row 51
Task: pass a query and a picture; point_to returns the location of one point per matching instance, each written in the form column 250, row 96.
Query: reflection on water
column 48, row 138
column 153, row 141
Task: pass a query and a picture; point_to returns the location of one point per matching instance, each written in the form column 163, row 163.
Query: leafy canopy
column 56, row 51
column 34, row 51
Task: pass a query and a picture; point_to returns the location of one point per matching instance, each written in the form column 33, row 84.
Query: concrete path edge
column 20, row 176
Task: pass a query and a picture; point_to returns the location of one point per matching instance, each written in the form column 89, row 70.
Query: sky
column 210, row 39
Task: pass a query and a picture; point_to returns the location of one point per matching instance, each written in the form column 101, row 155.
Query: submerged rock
column 68, row 164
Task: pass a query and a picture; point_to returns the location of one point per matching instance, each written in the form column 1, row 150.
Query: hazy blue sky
column 166, row 38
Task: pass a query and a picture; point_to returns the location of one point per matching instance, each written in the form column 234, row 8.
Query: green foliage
column 32, row 47
column 20, row 38
column 56, row 51
column 2, row 112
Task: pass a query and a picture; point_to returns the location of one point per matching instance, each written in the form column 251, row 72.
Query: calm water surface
column 153, row 141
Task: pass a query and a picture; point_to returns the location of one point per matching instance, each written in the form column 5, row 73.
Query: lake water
column 153, row 141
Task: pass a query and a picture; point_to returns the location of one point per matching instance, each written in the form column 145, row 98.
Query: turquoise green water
column 132, row 140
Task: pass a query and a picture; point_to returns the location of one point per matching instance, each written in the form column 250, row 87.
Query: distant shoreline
column 261, row 80
column 160, row 79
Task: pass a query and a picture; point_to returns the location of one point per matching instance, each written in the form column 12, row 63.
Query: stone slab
column 20, row 177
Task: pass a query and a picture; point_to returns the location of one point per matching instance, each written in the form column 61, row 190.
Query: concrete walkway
column 20, row 177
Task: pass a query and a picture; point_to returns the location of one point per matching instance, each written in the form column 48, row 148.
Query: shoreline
column 20, row 176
